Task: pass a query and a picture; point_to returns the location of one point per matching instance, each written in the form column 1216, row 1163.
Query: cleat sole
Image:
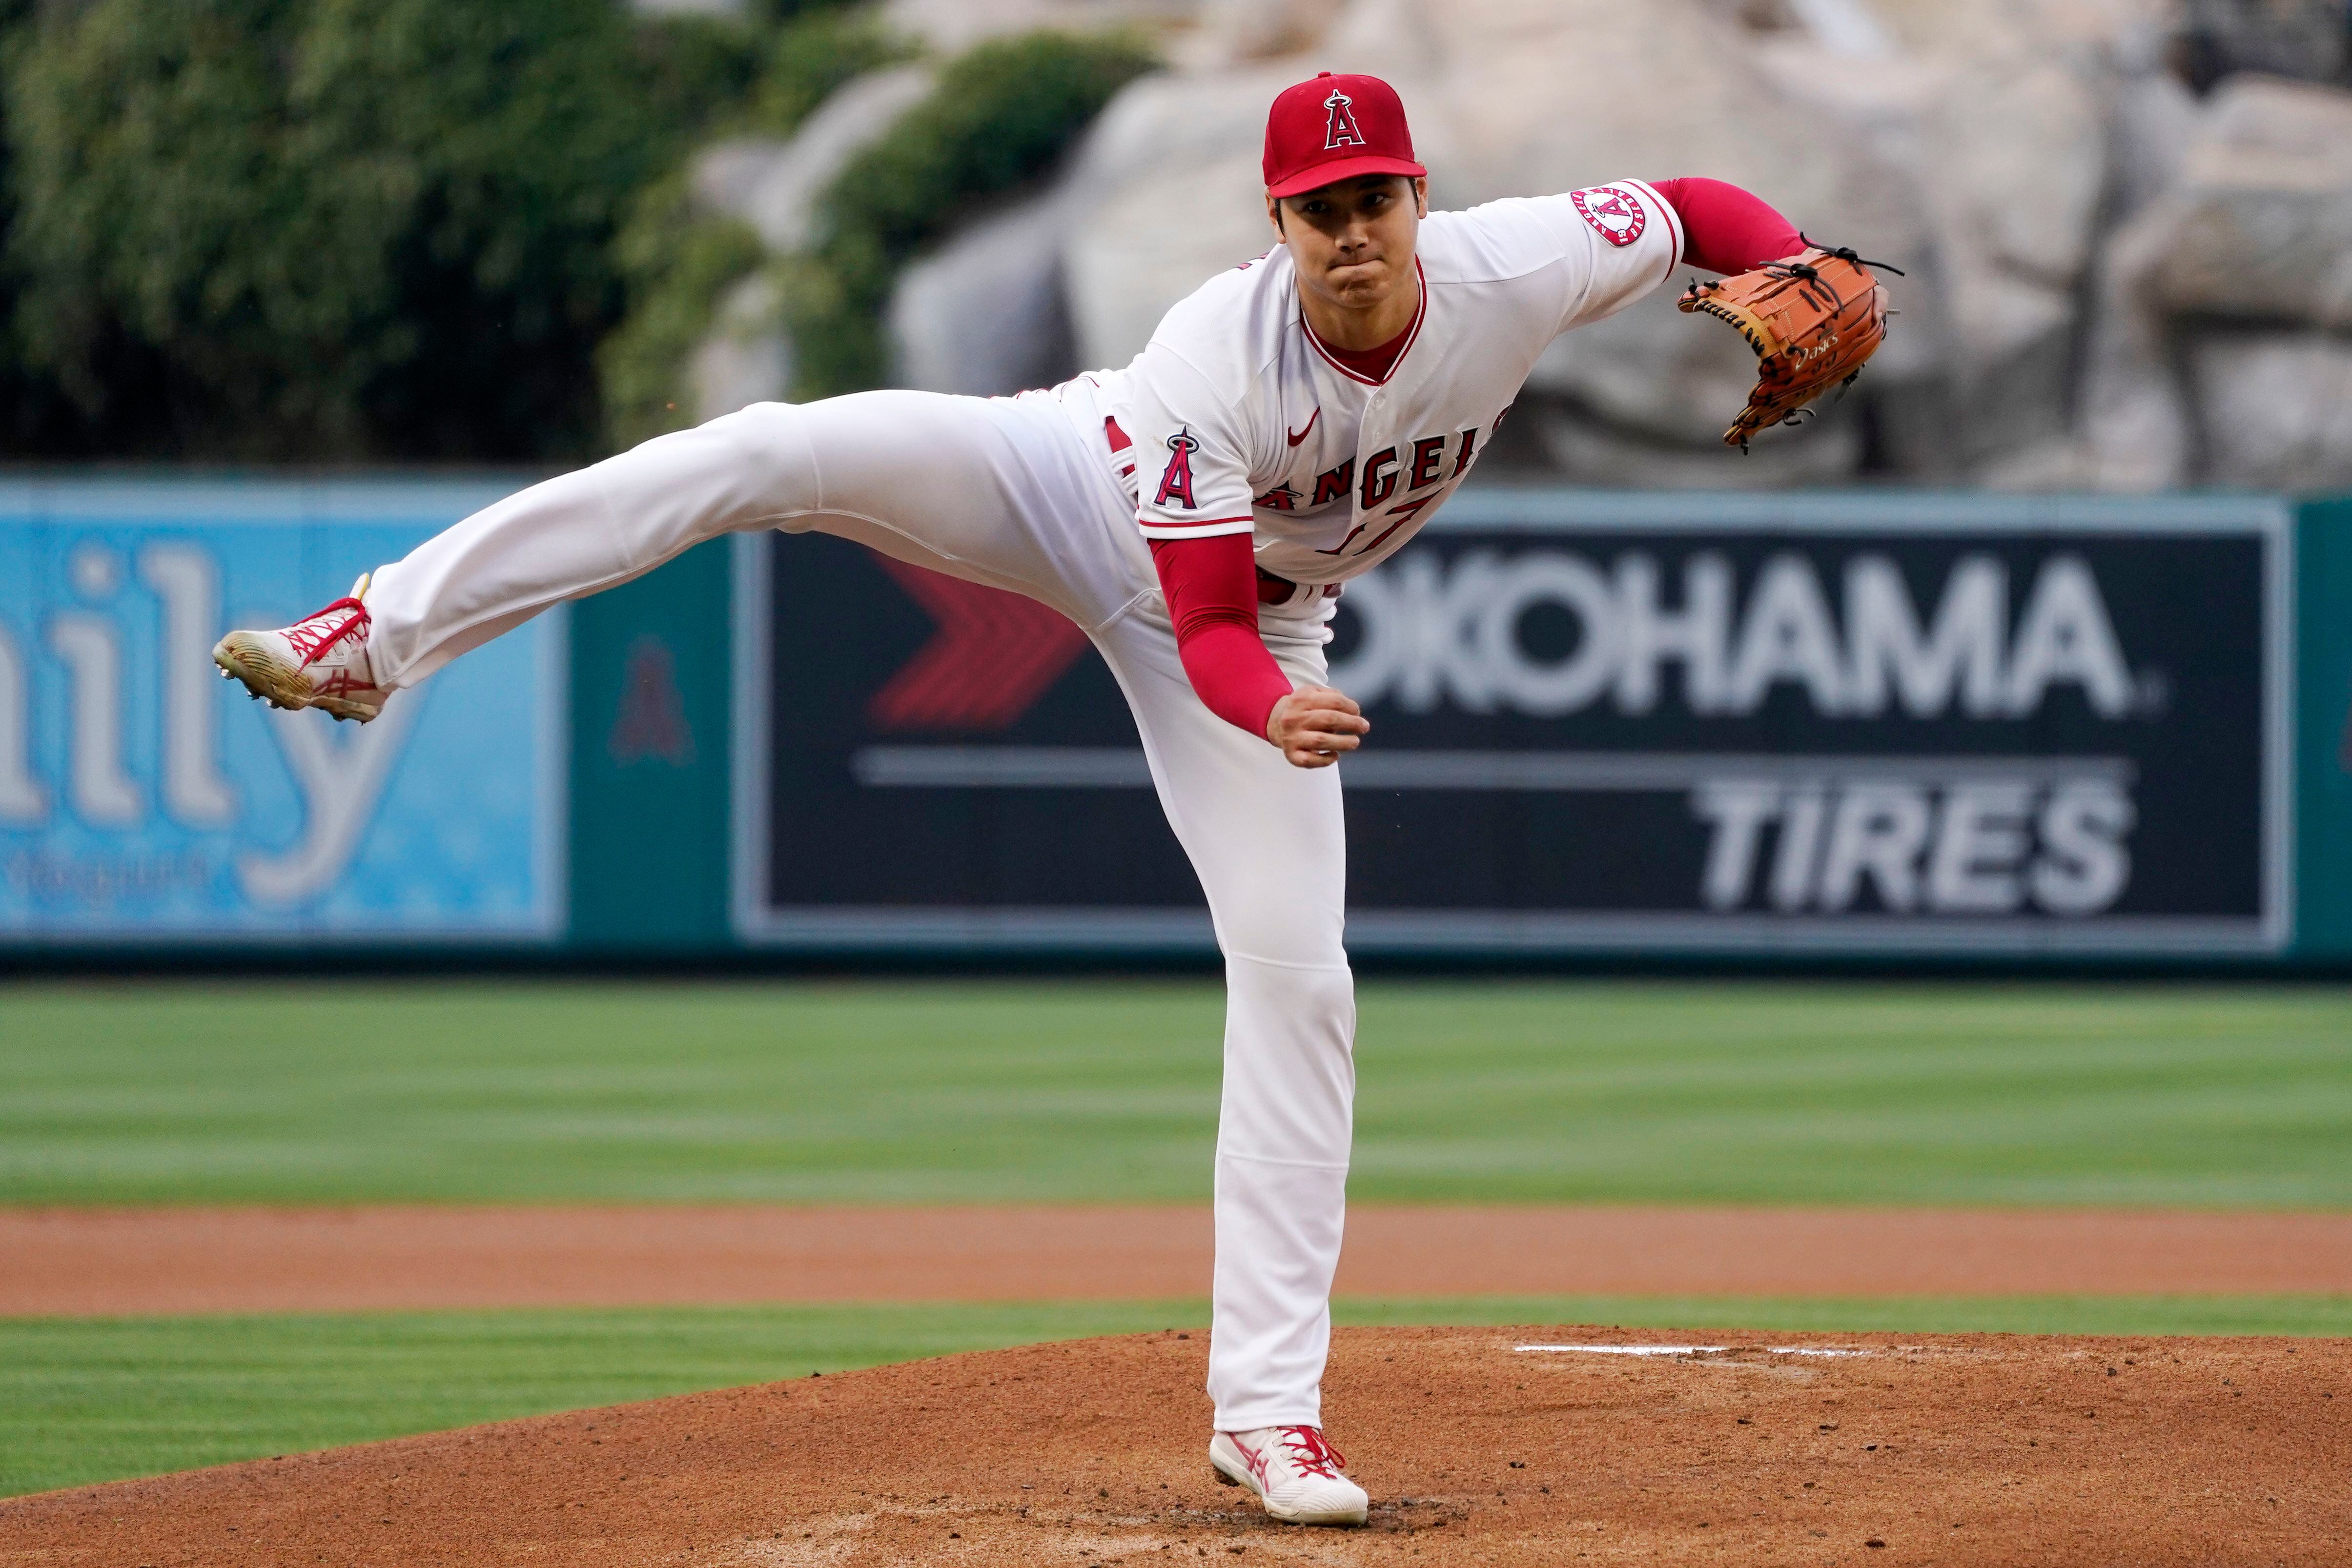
column 263, row 677
column 266, row 679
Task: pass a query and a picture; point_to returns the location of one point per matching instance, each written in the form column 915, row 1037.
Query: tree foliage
column 678, row 263
column 397, row 230
column 813, row 55
column 340, row 229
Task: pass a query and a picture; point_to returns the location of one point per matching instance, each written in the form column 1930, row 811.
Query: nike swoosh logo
column 1302, row 436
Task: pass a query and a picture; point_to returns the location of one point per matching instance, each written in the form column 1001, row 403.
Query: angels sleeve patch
column 1176, row 485
column 1615, row 213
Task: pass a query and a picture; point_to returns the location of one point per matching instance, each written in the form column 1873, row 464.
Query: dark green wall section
column 2324, row 731
column 650, row 678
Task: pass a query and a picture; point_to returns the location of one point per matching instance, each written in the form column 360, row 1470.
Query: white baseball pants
column 1018, row 494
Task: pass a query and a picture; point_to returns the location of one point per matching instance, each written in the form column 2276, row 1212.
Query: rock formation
column 2130, row 252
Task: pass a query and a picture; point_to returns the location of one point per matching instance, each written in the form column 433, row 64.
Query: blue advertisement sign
column 143, row 799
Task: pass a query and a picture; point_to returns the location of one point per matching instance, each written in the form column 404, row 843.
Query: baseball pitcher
column 1289, row 427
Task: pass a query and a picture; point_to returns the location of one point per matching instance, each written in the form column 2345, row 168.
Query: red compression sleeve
column 1212, row 589
column 1725, row 229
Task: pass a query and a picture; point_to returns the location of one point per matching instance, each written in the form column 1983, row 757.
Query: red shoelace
column 312, row 640
column 1313, row 1451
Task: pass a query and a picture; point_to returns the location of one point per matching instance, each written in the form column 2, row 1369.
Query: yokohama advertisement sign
column 1850, row 723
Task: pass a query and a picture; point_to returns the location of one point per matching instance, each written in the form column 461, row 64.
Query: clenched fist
column 1315, row 724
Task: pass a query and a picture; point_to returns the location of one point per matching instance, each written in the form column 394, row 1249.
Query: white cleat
column 320, row 660
column 1294, row 1472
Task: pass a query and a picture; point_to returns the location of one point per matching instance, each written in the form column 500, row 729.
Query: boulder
column 1232, row 31
column 2276, row 409
column 1974, row 157
column 952, row 25
column 1167, row 184
column 1652, row 372
column 1507, row 97
column 2137, row 422
column 2110, row 280
column 2257, row 230
column 1590, row 451
column 1848, row 28
column 984, row 314
column 774, row 185
column 2156, row 124
column 1995, row 118
column 2076, row 29
column 725, row 174
column 747, row 357
column 2304, row 39
column 2019, row 162
column 2260, row 226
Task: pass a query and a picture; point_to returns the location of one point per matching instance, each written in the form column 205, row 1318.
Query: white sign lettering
column 1435, row 632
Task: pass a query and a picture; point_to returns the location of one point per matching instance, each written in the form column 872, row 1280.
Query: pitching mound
column 1536, row 1446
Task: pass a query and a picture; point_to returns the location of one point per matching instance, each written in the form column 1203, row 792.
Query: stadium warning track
column 116, row 1261
column 1956, row 1450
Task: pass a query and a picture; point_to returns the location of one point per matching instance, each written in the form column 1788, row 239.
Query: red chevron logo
column 993, row 656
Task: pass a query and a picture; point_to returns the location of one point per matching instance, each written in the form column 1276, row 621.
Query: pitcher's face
column 1353, row 242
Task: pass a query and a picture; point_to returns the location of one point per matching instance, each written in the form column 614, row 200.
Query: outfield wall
column 143, row 802
column 2323, row 726
column 1844, row 725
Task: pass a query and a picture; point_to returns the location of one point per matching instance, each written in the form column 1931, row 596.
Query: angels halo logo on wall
column 1616, row 212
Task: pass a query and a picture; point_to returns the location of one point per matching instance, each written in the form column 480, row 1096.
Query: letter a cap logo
column 1339, row 129
column 1335, row 128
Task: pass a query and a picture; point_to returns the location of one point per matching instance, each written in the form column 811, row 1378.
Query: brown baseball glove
column 1814, row 318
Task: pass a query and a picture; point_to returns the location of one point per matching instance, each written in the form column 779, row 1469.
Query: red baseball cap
column 1332, row 129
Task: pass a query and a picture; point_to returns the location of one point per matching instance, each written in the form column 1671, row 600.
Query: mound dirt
column 1546, row 1445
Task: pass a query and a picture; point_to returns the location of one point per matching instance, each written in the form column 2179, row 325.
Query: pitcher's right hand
column 1314, row 725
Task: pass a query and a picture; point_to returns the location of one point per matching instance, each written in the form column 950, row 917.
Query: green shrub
column 34, row 413
column 1002, row 115
column 438, row 229
column 153, row 199
column 700, row 71
column 307, row 229
column 677, row 265
column 483, row 156
column 810, row 57
column 788, row 11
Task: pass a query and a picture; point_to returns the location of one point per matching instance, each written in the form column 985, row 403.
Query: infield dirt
column 83, row 1262
column 1879, row 1449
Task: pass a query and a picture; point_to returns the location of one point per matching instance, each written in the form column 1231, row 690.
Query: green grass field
column 1702, row 1092
column 90, row 1401
column 1072, row 1093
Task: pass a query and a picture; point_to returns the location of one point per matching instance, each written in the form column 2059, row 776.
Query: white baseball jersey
column 1240, row 422
column 1243, row 422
